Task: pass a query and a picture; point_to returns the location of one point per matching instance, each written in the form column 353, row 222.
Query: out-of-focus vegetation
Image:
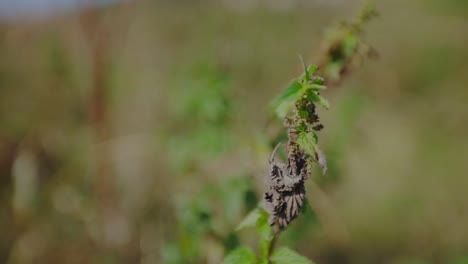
column 139, row 133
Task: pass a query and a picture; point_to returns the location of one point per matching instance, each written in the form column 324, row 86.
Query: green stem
column 271, row 247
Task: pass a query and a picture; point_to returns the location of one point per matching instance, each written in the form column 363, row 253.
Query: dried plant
column 286, row 191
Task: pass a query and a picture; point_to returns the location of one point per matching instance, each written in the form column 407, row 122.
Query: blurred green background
column 140, row 132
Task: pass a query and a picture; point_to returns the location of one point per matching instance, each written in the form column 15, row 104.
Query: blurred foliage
column 344, row 47
column 212, row 214
column 201, row 113
column 258, row 218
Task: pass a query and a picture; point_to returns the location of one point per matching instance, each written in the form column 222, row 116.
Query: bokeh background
column 139, row 131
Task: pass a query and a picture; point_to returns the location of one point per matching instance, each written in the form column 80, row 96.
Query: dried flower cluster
column 285, row 196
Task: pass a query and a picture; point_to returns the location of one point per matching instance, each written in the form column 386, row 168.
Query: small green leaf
column 318, row 99
column 315, row 87
column 294, row 88
column 312, row 95
column 250, row 220
column 323, row 102
column 308, row 142
column 318, row 80
column 283, row 109
column 285, row 255
column 242, row 255
column 259, row 218
column 286, row 100
column 312, row 68
column 301, row 128
column 303, row 113
column 306, row 75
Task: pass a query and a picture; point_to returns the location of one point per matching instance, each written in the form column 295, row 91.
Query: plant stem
column 271, row 247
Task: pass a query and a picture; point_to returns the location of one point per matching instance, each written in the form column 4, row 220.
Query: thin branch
column 272, row 245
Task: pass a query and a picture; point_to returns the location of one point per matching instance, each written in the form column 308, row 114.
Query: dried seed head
column 285, row 196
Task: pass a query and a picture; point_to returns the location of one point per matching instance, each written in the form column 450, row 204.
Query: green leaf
column 250, row 220
column 301, row 128
column 318, row 99
column 303, row 113
column 242, row 255
column 293, row 89
column 264, row 227
column 266, row 234
column 306, row 75
column 318, row 80
column 308, row 71
column 308, row 142
column 288, row 256
column 312, row 68
column 315, row 87
column 323, row 102
column 286, row 100
column 259, row 218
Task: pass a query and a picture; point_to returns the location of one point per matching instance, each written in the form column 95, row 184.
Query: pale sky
column 30, row 9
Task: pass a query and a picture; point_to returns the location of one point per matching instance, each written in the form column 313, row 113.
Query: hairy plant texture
column 286, row 191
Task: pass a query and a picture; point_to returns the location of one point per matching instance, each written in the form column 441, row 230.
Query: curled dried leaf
column 321, row 159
